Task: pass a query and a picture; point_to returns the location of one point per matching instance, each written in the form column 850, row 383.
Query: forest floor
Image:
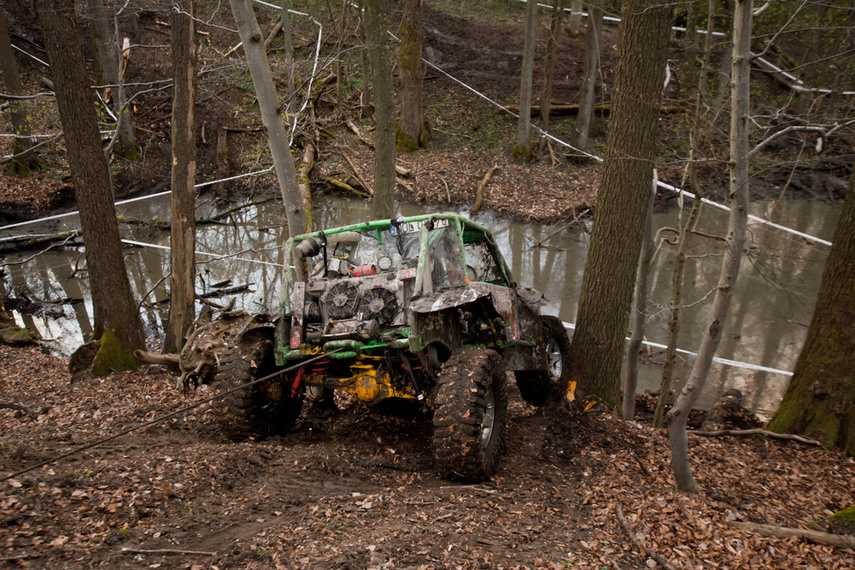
column 351, row 489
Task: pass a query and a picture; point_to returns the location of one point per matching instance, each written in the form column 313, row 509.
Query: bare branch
column 791, row 129
column 758, row 431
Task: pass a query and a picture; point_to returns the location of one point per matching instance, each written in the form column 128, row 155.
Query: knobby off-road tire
column 535, row 385
column 259, row 410
column 471, row 411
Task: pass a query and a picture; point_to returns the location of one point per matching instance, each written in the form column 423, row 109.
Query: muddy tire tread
column 240, row 414
column 458, row 450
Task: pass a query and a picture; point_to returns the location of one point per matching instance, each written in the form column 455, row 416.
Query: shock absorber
column 419, row 394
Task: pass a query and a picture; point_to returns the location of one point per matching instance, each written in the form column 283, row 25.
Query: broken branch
column 644, row 550
column 167, row 551
column 356, row 172
column 757, row 431
column 479, row 193
column 358, row 133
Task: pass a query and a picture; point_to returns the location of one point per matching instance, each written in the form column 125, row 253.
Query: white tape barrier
column 725, row 361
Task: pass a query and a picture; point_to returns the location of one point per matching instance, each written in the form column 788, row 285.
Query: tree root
column 835, row 540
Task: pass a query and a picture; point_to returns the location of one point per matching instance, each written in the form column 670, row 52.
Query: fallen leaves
column 320, row 497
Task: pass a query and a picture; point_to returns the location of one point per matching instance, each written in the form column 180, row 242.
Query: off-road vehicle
column 416, row 313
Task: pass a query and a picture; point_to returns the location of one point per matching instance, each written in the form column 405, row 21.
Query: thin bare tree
column 523, row 150
column 182, row 303
column 737, row 230
column 24, row 160
column 297, row 206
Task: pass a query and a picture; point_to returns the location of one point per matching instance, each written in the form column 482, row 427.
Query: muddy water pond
column 240, row 257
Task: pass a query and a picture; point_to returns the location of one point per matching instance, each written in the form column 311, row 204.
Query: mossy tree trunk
column 412, row 132
column 117, row 324
column 25, row 160
column 820, row 400
column 182, row 305
column 376, row 30
column 596, row 352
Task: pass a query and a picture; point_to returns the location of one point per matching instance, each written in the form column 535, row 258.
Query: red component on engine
column 364, row 270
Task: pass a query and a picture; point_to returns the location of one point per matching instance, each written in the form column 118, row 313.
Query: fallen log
column 22, row 408
column 156, row 357
column 272, row 35
column 345, row 186
column 358, row 133
column 24, row 242
column 356, row 173
column 565, row 110
column 835, row 540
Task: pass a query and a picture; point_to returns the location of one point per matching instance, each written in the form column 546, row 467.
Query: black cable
column 166, row 417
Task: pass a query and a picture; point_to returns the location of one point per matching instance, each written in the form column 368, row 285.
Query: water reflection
column 768, row 320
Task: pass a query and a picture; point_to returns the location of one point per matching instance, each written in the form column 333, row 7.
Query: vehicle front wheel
column 259, row 410
column 470, row 415
column 535, row 385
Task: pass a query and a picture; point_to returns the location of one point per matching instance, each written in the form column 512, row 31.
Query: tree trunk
column 117, row 326
column 724, row 70
column 589, row 81
column 104, row 49
column 551, row 56
column 523, row 151
column 412, row 132
column 25, row 161
column 182, row 305
column 108, row 72
column 574, row 25
column 365, row 64
column 737, row 230
column 384, row 108
column 262, row 79
column 820, row 400
column 606, row 296
column 640, row 314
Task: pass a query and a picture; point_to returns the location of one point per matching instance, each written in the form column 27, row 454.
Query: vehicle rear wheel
column 535, row 385
column 259, row 410
column 471, row 411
